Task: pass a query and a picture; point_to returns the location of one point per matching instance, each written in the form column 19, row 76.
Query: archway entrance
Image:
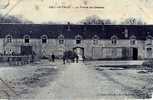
column 79, row 51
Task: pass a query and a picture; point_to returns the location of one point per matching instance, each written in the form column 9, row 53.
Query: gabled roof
column 70, row 31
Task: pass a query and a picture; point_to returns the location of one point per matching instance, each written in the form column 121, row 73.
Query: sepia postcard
column 76, row 50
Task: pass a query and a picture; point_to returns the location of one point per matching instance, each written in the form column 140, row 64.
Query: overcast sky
column 38, row 11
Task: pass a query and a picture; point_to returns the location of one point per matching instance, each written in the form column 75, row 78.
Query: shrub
column 148, row 63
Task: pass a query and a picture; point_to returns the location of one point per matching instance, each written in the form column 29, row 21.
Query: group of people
column 68, row 56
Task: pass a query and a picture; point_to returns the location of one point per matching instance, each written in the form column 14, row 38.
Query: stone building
column 107, row 42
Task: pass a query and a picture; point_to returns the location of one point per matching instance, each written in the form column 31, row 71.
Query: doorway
column 79, row 51
column 135, row 53
column 125, row 53
column 26, row 50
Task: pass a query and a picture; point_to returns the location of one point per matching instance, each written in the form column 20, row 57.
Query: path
column 76, row 81
column 80, row 81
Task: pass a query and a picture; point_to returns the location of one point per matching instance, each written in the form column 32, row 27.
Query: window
column 114, row 40
column 149, row 53
column 114, row 52
column 132, row 40
column 78, row 39
column 149, row 49
column 149, row 40
column 95, row 39
column 26, row 38
column 9, row 38
column 44, row 39
column 61, row 39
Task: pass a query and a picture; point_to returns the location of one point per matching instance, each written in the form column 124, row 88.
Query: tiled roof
column 70, row 31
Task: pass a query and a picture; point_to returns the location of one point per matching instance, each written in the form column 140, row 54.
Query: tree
column 96, row 20
column 133, row 21
column 13, row 19
column 51, row 23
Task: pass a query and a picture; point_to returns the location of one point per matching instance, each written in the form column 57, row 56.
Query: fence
column 16, row 60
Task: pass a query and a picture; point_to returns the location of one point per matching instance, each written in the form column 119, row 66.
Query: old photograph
column 76, row 50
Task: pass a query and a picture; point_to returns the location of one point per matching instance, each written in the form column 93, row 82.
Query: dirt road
column 75, row 81
column 84, row 82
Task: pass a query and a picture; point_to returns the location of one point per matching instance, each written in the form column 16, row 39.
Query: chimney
column 68, row 23
column 85, row 23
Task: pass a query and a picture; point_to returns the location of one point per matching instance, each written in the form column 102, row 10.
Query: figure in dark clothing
column 64, row 58
column 53, row 58
column 77, row 58
column 73, row 56
column 83, row 58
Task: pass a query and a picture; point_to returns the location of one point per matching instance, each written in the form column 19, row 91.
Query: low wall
column 16, row 60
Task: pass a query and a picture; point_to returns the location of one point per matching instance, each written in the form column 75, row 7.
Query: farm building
column 105, row 42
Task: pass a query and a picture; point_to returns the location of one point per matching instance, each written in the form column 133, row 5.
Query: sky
column 40, row 11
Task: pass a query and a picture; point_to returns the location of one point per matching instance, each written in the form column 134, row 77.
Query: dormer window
column 26, row 39
column 132, row 40
column 78, row 39
column 44, row 39
column 61, row 39
column 126, row 33
column 103, row 28
column 95, row 39
column 68, row 26
column 149, row 40
column 9, row 38
column 114, row 39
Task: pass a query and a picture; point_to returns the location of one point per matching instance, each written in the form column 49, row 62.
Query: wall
column 103, row 49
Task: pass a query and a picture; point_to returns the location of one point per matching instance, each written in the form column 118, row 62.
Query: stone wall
column 101, row 50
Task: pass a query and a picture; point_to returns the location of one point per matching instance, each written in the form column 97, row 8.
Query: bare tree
column 96, row 20
column 13, row 19
column 133, row 21
column 51, row 23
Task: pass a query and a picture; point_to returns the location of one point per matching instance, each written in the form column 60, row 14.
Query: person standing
column 53, row 58
column 64, row 58
column 83, row 58
column 77, row 58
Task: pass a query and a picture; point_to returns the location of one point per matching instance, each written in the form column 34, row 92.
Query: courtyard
column 90, row 80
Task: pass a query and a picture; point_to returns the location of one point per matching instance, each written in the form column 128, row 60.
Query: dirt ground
column 89, row 81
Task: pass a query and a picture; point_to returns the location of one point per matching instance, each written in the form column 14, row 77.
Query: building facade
column 105, row 42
